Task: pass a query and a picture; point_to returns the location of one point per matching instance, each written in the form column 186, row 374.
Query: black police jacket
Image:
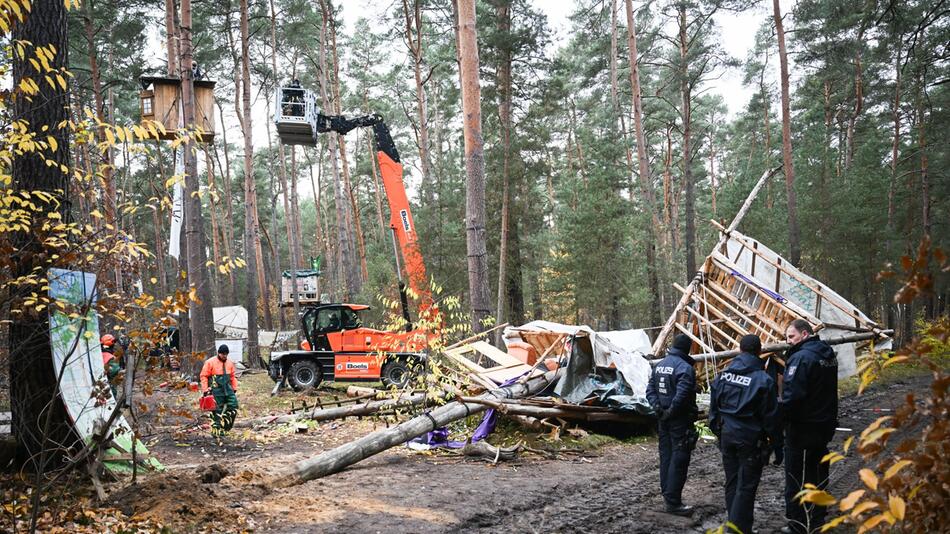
column 672, row 386
column 810, row 393
column 743, row 403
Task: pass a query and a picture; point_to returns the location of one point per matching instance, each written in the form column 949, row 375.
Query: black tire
column 395, row 373
column 304, row 375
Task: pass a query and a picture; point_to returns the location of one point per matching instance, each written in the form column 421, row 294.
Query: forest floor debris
column 572, row 482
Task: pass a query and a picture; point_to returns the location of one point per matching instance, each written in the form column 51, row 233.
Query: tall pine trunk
column 251, row 235
column 33, row 393
column 686, row 112
column 474, row 166
column 643, row 163
column 348, row 263
column 794, row 247
column 503, row 70
column 201, row 316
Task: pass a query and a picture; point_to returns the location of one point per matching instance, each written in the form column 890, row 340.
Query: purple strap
column 440, row 436
column 765, row 290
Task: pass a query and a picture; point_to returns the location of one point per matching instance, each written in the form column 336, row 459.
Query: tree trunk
column 215, row 246
column 335, row 460
column 646, row 181
column 503, row 70
column 414, row 40
column 39, row 420
column 349, row 265
column 889, row 315
column 228, row 202
column 251, row 232
column 105, row 161
column 171, row 38
column 202, row 319
column 293, row 234
column 687, row 118
column 795, row 253
column 353, row 213
column 474, row 167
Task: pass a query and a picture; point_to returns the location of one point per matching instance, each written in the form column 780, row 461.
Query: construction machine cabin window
column 328, row 320
column 351, row 319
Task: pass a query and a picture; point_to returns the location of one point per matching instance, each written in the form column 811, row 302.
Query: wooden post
column 777, row 347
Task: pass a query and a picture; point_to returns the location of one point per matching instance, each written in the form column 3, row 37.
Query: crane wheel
column 395, row 373
column 304, row 375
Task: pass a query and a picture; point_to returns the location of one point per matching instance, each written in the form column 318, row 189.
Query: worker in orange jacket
column 217, row 378
column 110, row 363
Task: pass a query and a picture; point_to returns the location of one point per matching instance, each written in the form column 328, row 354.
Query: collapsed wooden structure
column 743, row 287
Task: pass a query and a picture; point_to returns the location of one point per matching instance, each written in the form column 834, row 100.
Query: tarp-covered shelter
column 231, row 321
column 607, row 365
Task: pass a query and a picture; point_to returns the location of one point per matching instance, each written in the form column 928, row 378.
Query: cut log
column 359, row 391
column 338, row 459
column 486, row 450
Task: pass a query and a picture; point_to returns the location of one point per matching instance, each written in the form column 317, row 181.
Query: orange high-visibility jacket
column 214, row 366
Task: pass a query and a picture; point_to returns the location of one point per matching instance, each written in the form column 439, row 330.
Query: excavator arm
column 400, row 222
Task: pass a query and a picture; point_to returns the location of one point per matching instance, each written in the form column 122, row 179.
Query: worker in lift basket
column 217, row 377
column 672, row 395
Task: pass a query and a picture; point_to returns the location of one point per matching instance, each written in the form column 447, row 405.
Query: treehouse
column 160, row 101
column 295, row 115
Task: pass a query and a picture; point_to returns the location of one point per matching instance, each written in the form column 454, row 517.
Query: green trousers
column 222, row 418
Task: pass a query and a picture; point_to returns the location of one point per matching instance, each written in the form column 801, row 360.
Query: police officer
column 810, row 406
column 672, row 394
column 743, row 413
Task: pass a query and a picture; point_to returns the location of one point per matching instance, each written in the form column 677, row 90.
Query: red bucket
column 207, row 403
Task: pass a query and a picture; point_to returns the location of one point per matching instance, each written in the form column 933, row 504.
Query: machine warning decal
column 404, row 215
column 357, row 366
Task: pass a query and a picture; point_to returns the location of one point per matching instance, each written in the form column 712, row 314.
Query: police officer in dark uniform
column 810, row 407
column 672, row 394
column 743, row 413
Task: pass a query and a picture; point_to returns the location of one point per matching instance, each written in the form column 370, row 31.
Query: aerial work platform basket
column 295, row 115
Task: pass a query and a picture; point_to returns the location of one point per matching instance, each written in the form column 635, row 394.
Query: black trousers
column 675, row 451
column 803, row 465
column 743, row 466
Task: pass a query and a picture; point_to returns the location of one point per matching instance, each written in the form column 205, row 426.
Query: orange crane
column 337, row 346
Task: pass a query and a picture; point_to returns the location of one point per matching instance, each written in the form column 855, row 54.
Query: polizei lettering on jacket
column 738, row 380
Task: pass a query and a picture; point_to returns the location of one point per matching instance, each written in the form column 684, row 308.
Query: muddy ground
column 610, row 488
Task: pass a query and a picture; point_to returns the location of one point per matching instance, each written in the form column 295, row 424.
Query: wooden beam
column 778, row 347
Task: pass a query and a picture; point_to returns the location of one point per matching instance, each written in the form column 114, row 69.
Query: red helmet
column 107, row 340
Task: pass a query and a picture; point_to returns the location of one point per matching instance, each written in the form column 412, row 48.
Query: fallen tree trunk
column 327, row 414
column 338, row 459
column 587, row 413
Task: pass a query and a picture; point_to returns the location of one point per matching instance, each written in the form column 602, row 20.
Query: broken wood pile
column 350, row 453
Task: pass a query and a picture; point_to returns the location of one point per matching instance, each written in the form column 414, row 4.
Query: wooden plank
column 708, row 323
column 498, row 356
column 720, row 314
column 717, row 293
column 456, row 355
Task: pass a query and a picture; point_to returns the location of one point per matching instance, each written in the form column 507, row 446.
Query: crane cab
column 295, row 115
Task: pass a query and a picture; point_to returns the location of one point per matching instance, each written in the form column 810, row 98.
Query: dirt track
column 615, row 489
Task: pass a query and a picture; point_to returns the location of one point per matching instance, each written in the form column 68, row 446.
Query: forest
column 568, row 162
